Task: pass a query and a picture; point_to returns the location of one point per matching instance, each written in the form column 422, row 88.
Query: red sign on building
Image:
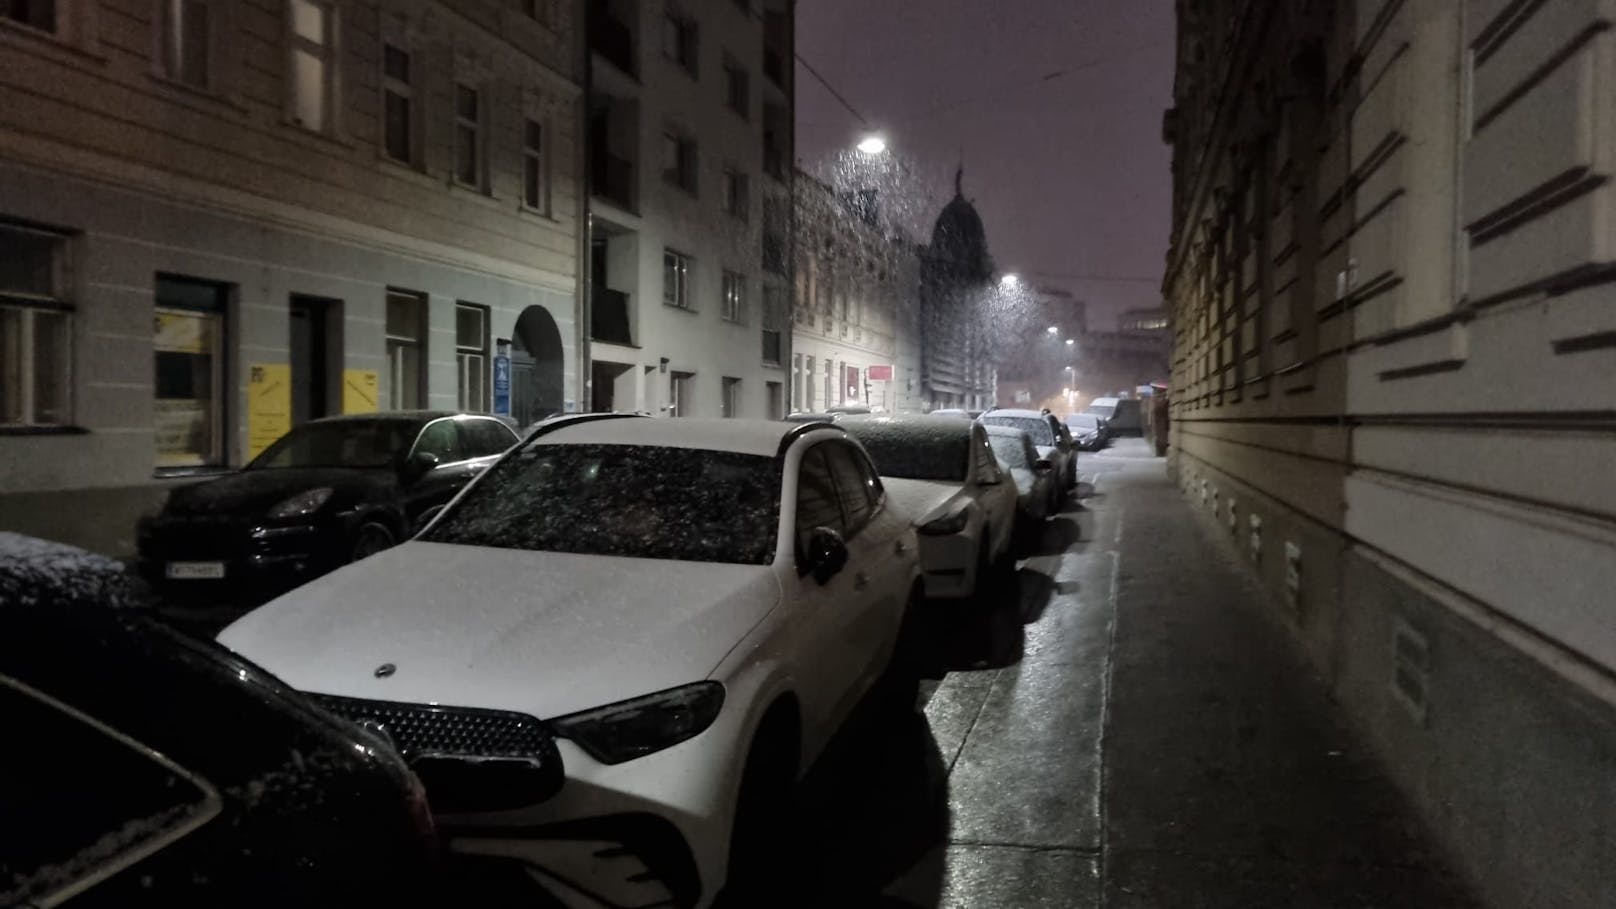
column 879, row 373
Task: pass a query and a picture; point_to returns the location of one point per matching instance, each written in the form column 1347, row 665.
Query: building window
column 736, row 194
column 40, row 14
column 406, row 354
column 732, row 397
column 398, row 103
column 679, row 161
column 186, row 55
column 679, row 40
column 312, row 64
column 535, row 175
column 675, row 279
column 35, row 328
column 737, row 88
column 774, row 315
column 734, row 309
column 188, row 344
column 471, row 355
column 468, row 150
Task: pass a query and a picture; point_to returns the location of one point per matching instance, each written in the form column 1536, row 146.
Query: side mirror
column 827, row 553
column 1042, row 464
column 418, row 465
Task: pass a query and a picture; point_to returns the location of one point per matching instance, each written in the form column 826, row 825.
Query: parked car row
column 604, row 652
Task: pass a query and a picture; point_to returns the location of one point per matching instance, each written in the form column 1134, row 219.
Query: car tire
column 761, row 845
column 371, row 538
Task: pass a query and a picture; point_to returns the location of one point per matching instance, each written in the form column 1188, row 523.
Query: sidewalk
column 1230, row 779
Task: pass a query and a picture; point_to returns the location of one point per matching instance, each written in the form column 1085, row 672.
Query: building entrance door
column 316, row 357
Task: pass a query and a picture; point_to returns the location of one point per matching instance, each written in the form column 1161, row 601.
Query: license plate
column 190, row 571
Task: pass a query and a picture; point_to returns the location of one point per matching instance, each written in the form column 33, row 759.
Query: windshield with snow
column 1037, row 427
column 344, row 443
column 1010, row 450
column 914, row 451
column 639, row 501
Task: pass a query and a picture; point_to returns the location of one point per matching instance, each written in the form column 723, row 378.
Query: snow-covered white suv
column 943, row 473
column 683, row 611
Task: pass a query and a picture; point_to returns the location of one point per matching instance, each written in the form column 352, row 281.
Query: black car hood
column 253, row 492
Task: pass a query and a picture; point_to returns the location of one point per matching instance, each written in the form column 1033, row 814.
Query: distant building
column 1154, row 318
column 690, row 163
column 1036, row 365
column 218, row 220
column 956, row 351
column 855, row 317
column 1394, row 368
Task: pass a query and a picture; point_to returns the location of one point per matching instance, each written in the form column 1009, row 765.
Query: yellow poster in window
column 359, row 391
column 269, row 405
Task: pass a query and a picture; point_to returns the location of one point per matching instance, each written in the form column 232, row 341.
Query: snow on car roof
column 1005, row 431
column 1012, row 412
column 760, row 437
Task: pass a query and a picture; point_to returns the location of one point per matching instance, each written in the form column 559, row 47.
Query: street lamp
column 1053, row 330
column 1070, row 341
column 872, row 144
column 1010, row 280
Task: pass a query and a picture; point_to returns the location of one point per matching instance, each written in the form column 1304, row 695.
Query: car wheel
column 371, row 539
column 760, row 837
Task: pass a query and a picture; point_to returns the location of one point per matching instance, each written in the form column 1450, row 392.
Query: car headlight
column 639, row 726
column 953, row 523
column 304, row 503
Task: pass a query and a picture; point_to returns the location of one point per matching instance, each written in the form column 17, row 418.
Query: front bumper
column 256, row 558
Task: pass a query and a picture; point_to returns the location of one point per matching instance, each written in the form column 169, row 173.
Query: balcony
column 613, row 40
column 608, row 316
column 771, row 347
column 612, row 178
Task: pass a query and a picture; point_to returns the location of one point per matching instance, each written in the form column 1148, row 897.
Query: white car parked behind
column 943, row 473
column 684, row 610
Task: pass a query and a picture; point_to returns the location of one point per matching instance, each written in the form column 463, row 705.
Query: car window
column 441, row 438
column 987, row 464
column 818, row 502
column 1012, row 451
column 854, row 483
column 637, row 501
column 340, row 443
column 482, row 438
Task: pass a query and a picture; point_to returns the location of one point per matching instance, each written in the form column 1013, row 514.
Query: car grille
column 425, row 729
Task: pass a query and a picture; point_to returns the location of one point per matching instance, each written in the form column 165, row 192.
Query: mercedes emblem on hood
column 385, row 670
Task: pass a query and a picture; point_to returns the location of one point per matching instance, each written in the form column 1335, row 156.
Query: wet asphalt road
column 1121, row 726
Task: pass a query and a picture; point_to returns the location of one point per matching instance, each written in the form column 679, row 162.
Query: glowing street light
column 1053, row 330
column 872, row 144
column 1010, row 280
column 1070, row 341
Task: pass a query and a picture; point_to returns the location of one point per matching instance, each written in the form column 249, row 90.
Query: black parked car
column 145, row 768
column 327, row 493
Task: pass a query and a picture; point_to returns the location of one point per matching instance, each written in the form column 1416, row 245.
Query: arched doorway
column 537, row 373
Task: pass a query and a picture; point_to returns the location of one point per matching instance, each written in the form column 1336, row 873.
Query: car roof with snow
column 759, row 437
column 1013, row 412
column 1005, row 431
column 917, row 425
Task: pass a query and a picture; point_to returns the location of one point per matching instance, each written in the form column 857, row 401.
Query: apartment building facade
column 219, row 218
column 1393, row 375
column 856, row 306
column 690, row 136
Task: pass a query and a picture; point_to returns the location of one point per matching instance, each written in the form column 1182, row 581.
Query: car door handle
column 860, row 581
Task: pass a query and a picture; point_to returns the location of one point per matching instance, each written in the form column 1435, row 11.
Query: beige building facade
column 1393, row 378
column 219, row 218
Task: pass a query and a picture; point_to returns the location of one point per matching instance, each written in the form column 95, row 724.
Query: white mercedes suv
column 681, row 612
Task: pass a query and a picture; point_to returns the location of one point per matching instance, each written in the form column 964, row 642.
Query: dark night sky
column 1054, row 106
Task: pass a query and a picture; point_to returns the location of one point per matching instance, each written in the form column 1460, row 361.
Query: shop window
column 188, row 348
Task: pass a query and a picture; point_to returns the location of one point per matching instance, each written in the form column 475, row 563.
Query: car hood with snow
column 542, row 633
column 923, row 501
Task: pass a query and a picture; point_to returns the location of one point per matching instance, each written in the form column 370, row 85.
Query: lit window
column 313, row 69
column 398, row 102
column 186, row 44
column 675, row 279
column 188, row 426
column 35, row 329
column 406, row 335
column 471, row 355
column 734, row 309
column 468, row 161
column 535, row 178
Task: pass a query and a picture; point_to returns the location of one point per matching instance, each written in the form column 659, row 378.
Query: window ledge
column 43, row 431
column 676, row 307
column 405, row 171
column 314, row 136
column 473, row 193
column 191, row 92
column 536, row 214
column 65, row 49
